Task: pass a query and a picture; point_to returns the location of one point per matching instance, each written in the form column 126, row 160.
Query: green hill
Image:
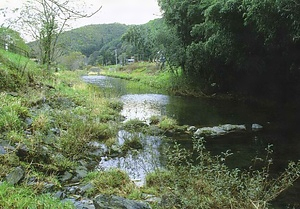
column 92, row 38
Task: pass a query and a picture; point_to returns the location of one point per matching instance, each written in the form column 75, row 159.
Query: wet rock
column 15, row 176
column 115, row 202
column 191, row 129
column 256, row 127
column 218, row 130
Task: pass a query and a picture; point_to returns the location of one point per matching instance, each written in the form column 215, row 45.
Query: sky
column 121, row 11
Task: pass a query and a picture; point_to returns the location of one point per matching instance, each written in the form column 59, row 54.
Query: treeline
column 242, row 46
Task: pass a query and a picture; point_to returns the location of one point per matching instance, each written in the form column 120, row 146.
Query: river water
column 280, row 129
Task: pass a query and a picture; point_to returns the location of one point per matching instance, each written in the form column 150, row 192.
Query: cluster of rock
column 221, row 130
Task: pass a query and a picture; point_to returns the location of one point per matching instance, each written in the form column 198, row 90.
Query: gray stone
column 115, row 202
column 15, row 176
column 60, row 195
column 219, row 130
column 191, row 129
column 81, row 204
column 256, row 127
column 81, row 172
column 66, row 177
column 86, row 188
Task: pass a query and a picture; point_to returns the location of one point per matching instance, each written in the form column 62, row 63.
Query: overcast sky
column 121, row 11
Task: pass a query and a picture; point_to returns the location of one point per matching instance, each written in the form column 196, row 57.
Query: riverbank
column 55, row 129
column 145, row 74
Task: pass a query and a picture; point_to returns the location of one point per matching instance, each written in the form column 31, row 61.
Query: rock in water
column 115, row 202
column 256, row 127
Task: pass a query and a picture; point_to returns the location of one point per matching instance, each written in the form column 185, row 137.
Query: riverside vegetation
column 49, row 119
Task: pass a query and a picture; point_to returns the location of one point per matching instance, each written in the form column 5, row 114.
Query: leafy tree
column 73, row 61
column 242, row 46
column 14, row 37
column 45, row 20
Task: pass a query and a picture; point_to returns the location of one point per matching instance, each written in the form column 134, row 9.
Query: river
column 280, row 128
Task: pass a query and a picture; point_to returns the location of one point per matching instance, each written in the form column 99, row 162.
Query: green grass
column 20, row 197
column 143, row 73
column 36, row 102
column 112, row 181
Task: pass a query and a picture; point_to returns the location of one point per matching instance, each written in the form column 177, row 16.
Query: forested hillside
column 91, row 38
column 100, row 44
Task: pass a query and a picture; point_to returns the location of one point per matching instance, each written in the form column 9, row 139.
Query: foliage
column 238, row 46
column 18, row 197
column 167, row 123
column 73, row 61
column 209, row 183
column 45, row 21
column 13, row 37
column 96, row 42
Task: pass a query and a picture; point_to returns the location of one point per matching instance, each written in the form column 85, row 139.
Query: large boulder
column 115, row 202
column 218, row 130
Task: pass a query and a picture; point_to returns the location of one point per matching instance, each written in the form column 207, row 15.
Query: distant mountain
column 91, row 38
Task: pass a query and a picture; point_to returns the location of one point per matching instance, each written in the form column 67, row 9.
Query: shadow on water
column 280, row 129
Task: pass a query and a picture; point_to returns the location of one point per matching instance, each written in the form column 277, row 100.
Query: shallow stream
column 280, row 129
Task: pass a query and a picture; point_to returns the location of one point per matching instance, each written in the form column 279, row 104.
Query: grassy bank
column 143, row 73
column 46, row 123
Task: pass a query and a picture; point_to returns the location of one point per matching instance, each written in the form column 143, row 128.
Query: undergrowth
column 208, row 183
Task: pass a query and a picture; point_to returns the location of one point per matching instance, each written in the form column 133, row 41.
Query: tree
column 73, row 61
column 245, row 46
column 45, row 20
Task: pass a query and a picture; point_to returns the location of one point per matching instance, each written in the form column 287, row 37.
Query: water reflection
column 143, row 106
column 136, row 163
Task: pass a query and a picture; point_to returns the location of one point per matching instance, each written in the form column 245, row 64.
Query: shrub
column 167, row 123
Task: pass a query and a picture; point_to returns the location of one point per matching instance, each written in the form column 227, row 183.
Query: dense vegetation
column 248, row 47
